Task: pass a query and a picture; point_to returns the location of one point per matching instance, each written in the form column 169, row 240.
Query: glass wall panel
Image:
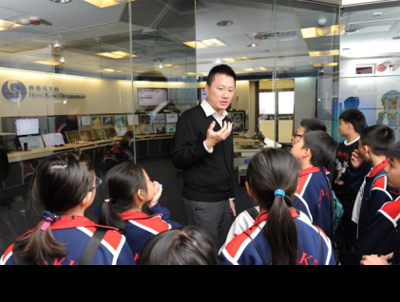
column 70, row 77
column 369, row 63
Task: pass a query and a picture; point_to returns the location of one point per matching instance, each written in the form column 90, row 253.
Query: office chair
column 4, row 171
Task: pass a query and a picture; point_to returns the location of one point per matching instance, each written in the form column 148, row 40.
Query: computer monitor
column 159, row 119
column 110, row 132
column 96, row 121
column 84, row 122
column 172, row 118
column 9, row 142
column 27, row 126
column 99, row 134
column 121, row 130
column 33, row 142
column 107, row 120
column 73, row 136
column 120, row 120
column 87, row 135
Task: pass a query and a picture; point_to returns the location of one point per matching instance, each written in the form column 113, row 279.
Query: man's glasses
column 297, row 135
column 98, row 184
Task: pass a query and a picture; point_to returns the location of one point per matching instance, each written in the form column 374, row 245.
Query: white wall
column 98, row 96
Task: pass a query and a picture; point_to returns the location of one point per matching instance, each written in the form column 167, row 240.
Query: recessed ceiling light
column 61, row 1
column 252, row 45
column 225, row 23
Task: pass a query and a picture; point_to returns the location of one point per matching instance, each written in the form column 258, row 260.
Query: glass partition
column 76, row 70
column 93, row 72
column 369, row 61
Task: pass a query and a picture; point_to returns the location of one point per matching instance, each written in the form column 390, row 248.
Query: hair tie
column 48, row 219
column 280, row 192
column 108, row 199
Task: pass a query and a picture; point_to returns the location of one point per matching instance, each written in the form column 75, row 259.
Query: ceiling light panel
column 105, row 3
column 4, row 25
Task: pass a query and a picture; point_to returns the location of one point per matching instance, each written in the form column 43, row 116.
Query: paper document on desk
column 53, row 139
column 271, row 143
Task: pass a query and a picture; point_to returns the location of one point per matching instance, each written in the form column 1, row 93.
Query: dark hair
column 354, row 117
column 313, row 124
column 60, row 183
column 322, row 146
column 268, row 171
column 378, row 137
column 394, row 151
column 220, row 69
column 186, row 245
column 121, row 183
column 125, row 141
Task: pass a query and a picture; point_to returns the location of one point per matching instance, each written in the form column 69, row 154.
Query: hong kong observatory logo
column 14, row 91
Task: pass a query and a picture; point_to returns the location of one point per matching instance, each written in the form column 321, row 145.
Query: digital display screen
column 365, row 70
column 152, row 97
column 84, row 121
column 27, row 127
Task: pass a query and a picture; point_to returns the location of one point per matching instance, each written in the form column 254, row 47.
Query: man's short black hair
column 354, row 117
column 313, row 124
column 379, row 138
column 220, row 69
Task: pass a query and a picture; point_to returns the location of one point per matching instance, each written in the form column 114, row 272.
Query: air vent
column 383, row 26
column 279, row 36
column 185, row 6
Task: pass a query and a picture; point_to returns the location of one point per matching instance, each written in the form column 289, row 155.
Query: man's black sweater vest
column 207, row 177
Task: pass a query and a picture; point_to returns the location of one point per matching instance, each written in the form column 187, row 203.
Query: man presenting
column 203, row 149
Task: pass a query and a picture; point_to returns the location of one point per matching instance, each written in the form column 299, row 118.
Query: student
column 306, row 125
column 121, row 150
column 183, row 246
column 374, row 143
column 129, row 190
column 352, row 122
column 64, row 185
column 315, row 151
column 246, row 219
column 379, row 237
column 281, row 235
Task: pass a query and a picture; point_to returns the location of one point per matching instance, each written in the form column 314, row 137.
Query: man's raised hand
column 214, row 138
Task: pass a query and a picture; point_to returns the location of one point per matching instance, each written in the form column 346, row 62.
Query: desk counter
column 38, row 153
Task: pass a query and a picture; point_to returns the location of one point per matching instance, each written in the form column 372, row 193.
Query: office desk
column 38, row 153
column 24, row 163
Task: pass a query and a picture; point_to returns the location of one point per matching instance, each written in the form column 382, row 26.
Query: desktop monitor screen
column 107, row 121
column 96, row 121
column 121, row 130
column 84, row 121
column 27, row 126
column 129, row 119
column 120, row 120
column 9, row 142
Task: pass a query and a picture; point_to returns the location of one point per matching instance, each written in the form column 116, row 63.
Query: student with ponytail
column 281, row 235
column 129, row 189
column 63, row 187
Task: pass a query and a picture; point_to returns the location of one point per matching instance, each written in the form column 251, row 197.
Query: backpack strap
column 253, row 213
column 257, row 248
column 88, row 253
column 92, row 247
